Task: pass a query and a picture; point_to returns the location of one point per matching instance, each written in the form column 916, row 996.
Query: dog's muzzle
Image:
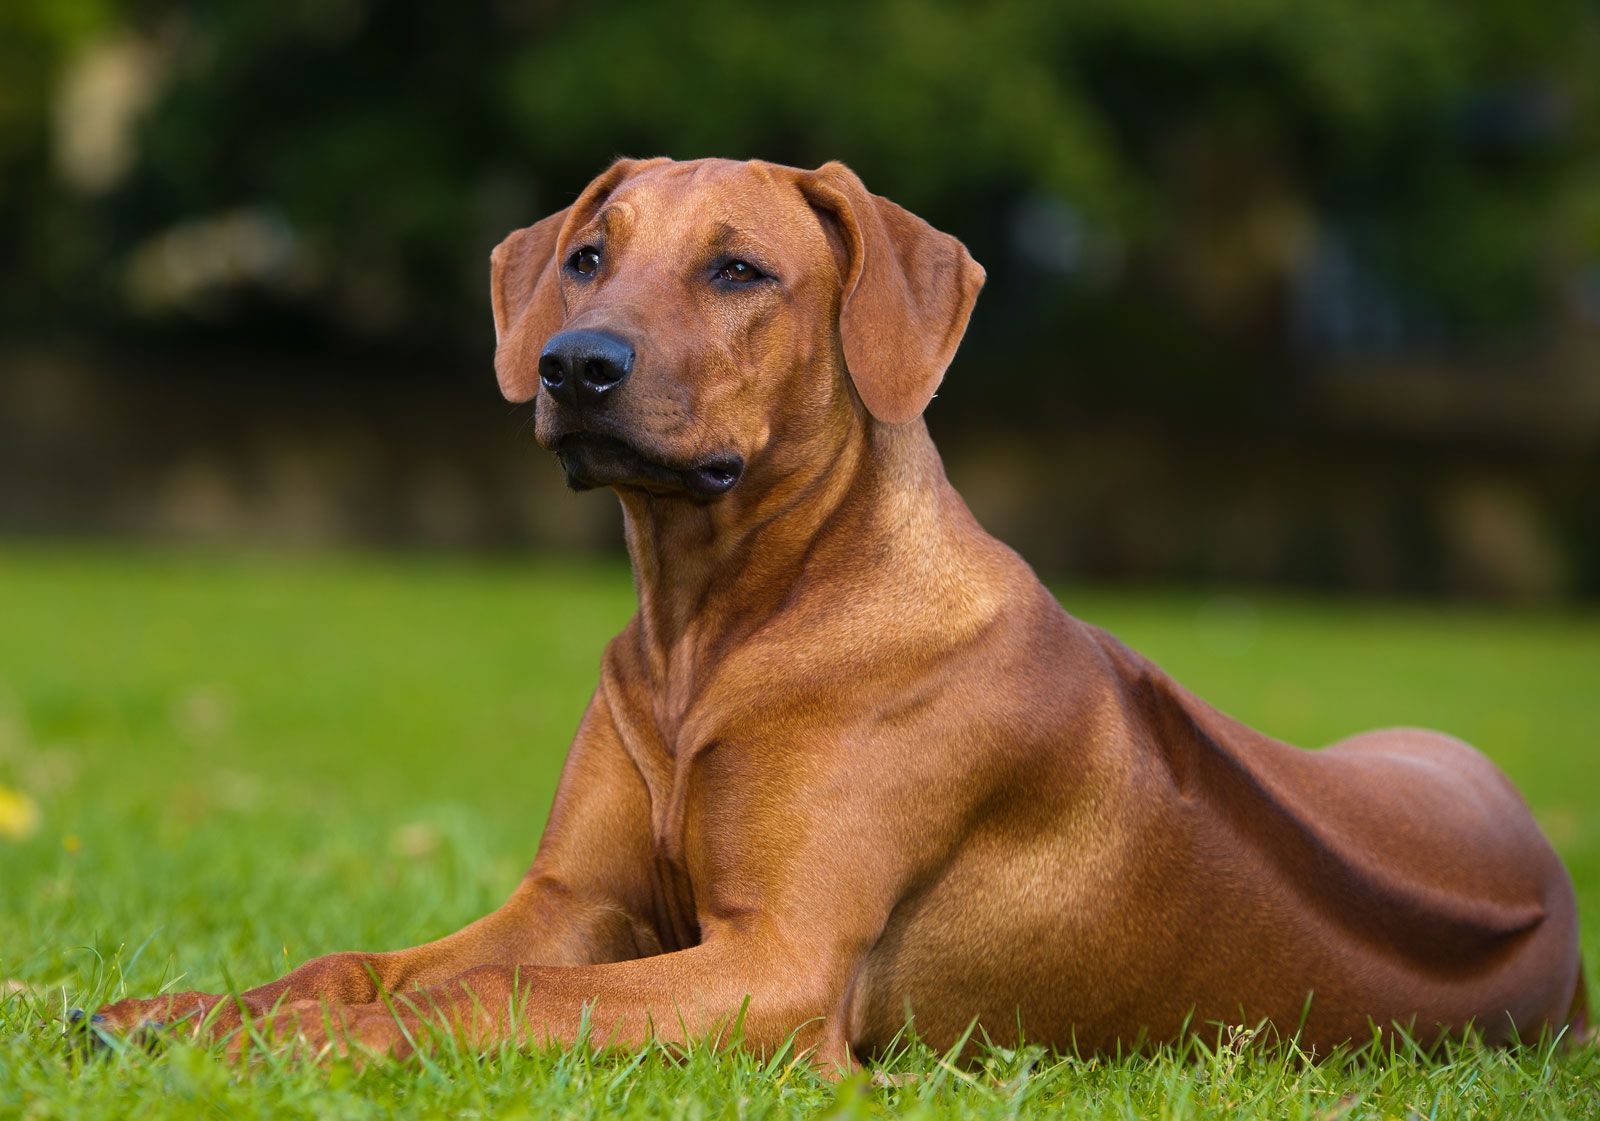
column 593, row 459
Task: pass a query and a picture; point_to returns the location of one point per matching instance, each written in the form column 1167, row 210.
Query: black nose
column 580, row 367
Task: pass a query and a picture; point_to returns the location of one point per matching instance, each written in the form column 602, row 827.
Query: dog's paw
column 149, row 1019
column 86, row 1034
column 89, row 1035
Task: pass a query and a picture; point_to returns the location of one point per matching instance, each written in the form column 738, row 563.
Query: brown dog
column 851, row 762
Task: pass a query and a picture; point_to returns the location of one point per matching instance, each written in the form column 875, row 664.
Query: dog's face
column 686, row 328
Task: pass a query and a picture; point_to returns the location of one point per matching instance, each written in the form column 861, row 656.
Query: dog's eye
column 739, row 272
column 585, row 261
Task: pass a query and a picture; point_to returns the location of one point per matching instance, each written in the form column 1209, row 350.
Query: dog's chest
column 677, row 915
column 668, row 778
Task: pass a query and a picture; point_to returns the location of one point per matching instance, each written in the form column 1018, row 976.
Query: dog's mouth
column 591, row 459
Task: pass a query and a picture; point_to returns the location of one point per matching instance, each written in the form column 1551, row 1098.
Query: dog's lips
column 594, row 459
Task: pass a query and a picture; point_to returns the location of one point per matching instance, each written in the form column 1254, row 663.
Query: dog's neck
column 708, row 575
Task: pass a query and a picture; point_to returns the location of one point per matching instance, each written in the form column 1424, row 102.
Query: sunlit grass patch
column 232, row 764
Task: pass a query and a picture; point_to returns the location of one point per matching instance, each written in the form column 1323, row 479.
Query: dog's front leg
column 543, row 921
column 765, row 987
column 579, row 904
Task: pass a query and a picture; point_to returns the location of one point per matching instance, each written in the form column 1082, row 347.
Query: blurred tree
column 1146, row 179
column 1187, row 212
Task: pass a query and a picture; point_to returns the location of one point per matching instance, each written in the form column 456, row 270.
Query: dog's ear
column 906, row 295
column 525, row 283
column 526, row 294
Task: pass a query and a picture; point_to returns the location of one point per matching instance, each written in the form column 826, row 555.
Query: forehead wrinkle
column 614, row 219
column 761, row 212
column 727, row 238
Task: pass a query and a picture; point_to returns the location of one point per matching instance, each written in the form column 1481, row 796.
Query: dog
column 851, row 765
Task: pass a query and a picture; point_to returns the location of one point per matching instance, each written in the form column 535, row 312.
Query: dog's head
column 686, row 326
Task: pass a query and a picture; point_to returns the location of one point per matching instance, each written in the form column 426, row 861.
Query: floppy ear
column 526, row 294
column 525, row 283
column 907, row 294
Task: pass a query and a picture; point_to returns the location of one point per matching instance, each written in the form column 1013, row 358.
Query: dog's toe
column 86, row 1034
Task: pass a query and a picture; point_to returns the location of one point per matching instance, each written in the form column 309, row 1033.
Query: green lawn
column 238, row 763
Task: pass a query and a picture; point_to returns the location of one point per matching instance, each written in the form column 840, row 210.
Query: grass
column 237, row 763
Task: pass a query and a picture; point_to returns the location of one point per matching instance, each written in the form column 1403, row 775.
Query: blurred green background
column 1294, row 293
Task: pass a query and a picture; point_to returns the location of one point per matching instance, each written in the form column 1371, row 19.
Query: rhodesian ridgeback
column 851, row 764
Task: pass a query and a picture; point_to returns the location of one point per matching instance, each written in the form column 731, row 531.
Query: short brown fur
column 851, row 760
